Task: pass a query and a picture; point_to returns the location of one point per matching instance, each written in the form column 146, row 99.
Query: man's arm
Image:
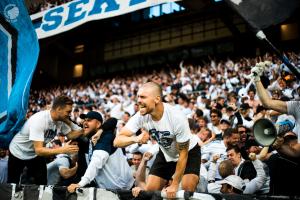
column 267, row 102
column 183, row 149
column 290, row 150
column 68, row 172
column 141, row 171
column 98, row 160
column 126, row 138
column 256, row 184
column 40, row 150
column 140, row 180
column 75, row 132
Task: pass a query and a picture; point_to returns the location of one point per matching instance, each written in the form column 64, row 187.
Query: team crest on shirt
column 164, row 138
column 49, row 135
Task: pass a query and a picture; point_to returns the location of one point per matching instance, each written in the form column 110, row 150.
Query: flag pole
column 260, row 35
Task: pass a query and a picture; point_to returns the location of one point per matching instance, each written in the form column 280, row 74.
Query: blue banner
column 18, row 57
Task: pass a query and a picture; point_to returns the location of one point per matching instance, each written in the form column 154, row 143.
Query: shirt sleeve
column 98, row 160
column 63, row 162
column 256, row 184
column 134, row 123
column 293, row 108
column 212, row 171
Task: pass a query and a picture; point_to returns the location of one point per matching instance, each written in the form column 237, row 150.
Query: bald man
column 179, row 156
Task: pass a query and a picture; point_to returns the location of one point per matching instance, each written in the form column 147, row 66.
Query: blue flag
column 18, row 57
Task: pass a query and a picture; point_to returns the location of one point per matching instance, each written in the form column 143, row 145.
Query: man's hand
column 215, row 158
column 72, row 188
column 69, row 148
column 278, row 143
column 171, row 190
column 252, row 156
column 97, row 136
column 143, row 137
column 147, row 156
column 258, row 70
column 256, row 73
column 136, row 191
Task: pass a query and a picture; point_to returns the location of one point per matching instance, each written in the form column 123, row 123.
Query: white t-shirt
column 171, row 128
column 39, row 127
column 293, row 108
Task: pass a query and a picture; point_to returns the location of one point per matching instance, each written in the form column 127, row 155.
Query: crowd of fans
column 221, row 104
column 38, row 6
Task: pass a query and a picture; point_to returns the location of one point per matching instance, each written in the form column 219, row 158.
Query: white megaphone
column 265, row 132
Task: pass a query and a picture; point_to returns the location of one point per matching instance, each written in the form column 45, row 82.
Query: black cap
column 92, row 115
column 224, row 121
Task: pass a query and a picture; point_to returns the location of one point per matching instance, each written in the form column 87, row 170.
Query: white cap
column 235, row 181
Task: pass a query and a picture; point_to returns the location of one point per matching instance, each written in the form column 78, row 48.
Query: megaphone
column 265, row 132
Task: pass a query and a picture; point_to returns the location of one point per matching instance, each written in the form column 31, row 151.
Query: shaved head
column 150, row 99
column 226, row 168
column 154, row 87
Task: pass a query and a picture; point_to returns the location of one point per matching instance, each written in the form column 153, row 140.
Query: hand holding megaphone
column 278, row 143
column 265, row 132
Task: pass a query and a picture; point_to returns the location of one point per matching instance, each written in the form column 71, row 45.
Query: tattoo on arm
column 183, row 145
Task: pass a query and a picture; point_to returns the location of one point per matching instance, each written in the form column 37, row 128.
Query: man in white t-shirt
column 179, row 156
column 286, row 107
column 28, row 147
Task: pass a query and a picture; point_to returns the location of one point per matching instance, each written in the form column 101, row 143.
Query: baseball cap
column 92, row 115
column 233, row 180
column 224, row 121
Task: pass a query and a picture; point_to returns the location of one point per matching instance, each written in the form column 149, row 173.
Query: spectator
column 62, row 167
column 107, row 164
column 232, row 184
column 178, row 157
column 289, row 107
column 28, row 146
column 3, row 165
column 251, row 172
column 136, row 160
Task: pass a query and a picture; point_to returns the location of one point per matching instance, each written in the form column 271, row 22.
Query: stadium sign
column 70, row 15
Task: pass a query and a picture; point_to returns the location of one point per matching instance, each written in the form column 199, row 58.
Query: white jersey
column 109, row 171
column 171, row 128
column 39, row 127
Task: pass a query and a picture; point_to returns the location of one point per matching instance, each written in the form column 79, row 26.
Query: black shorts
column 165, row 170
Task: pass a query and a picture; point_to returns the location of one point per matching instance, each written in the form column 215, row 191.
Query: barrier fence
column 36, row 192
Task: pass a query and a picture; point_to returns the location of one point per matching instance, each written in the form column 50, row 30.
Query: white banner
column 70, row 15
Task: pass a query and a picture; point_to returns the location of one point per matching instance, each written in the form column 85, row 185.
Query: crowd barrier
column 35, row 192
